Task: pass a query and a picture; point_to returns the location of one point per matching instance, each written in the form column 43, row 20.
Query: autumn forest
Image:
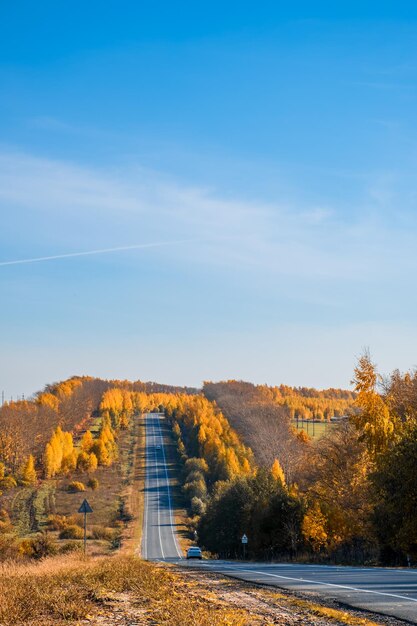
column 244, row 466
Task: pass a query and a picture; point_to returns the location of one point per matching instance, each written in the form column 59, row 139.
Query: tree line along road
column 381, row 590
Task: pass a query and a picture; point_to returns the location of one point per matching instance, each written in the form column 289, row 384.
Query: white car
column 194, row 553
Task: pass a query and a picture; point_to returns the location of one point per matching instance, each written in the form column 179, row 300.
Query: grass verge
column 337, row 615
column 66, row 590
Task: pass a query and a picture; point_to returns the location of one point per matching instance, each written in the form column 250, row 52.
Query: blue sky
column 268, row 150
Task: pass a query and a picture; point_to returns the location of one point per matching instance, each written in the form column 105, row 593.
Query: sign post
column 244, row 544
column 85, row 508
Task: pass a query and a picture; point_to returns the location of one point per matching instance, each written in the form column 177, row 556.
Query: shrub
column 25, row 548
column 123, row 514
column 7, row 483
column 198, row 507
column 196, row 488
column 100, row 532
column 76, row 486
column 87, row 462
column 71, row 546
column 57, row 522
column 93, row 484
column 194, row 476
column 116, row 542
column 195, row 464
column 83, row 461
column 71, row 532
column 42, row 546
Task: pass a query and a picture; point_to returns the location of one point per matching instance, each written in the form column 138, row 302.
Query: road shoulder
column 280, row 606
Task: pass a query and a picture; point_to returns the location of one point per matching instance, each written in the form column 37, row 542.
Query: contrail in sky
column 71, row 255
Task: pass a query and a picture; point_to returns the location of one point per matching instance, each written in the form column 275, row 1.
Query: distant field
column 314, row 429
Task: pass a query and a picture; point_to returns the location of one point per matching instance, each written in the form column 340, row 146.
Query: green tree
column 395, row 494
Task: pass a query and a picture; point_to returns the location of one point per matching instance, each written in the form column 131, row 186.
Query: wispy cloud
column 52, row 204
column 71, row 255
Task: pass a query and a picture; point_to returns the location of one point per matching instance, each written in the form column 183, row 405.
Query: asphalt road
column 381, row 590
column 159, row 540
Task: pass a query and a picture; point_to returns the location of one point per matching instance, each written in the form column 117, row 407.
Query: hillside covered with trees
column 347, row 497
column 77, row 435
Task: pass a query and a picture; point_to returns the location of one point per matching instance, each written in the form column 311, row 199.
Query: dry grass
column 103, row 500
column 114, row 482
column 66, row 590
column 337, row 615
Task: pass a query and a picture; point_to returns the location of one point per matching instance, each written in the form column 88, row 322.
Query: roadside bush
column 76, row 486
column 198, row 507
column 93, row 484
column 43, row 545
column 106, row 534
column 195, row 464
column 72, row 532
column 123, row 514
column 196, row 488
column 194, row 476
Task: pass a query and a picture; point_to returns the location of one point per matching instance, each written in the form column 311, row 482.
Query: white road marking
column 145, row 519
column 157, row 492
column 315, row 582
column 169, row 493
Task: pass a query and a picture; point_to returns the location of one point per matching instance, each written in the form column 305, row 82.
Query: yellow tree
column 373, row 420
column 87, row 441
column 28, row 472
column 92, row 462
column 101, row 452
column 57, row 447
column 48, row 461
column 314, row 528
column 277, row 472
